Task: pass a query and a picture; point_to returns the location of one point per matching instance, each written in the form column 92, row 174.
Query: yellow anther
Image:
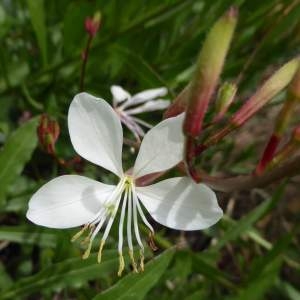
column 87, row 239
column 78, row 234
column 121, row 264
column 100, row 251
column 142, row 260
column 87, row 252
column 133, row 263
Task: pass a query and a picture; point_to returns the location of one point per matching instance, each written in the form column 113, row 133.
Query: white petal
column 149, row 106
column 96, row 132
column 180, row 203
column 146, row 96
column 161, row 148
column 119, row 94
column 68, row 201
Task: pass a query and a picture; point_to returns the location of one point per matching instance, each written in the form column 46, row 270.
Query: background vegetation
column 253, row 253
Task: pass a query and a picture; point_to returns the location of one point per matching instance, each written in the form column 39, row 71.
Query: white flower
column 71, row 200
column 128, row 106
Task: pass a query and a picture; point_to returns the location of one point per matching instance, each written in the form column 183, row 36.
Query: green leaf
column 262, row 283
column 15, row 154
column 210, row 271
column 38, row 20
column 26, row 235
column 70, row 272
column 243, row 225
column 136, row 286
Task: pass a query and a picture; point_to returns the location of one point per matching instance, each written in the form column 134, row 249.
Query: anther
column 87, row 252
column 151, row 241
column 88, row 238
column 100, row 251
column 133, row 263
column 78, row 234
column 121, row 264
column 142, row 260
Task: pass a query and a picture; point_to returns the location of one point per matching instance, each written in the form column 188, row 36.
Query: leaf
column 136, row 286
column 210, row 271
column 243, row 225
column 38, row 21
column 15, row 154
column 67, row 273
column 26, row 235
column 262, row 283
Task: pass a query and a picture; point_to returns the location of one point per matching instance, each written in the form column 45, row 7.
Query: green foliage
column 15, row 154
column 252, row 253
column 136, row 286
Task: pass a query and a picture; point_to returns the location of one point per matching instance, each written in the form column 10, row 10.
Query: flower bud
column 92, row 24
column 178, row 106
column 225, row 97
column 48, row 132
column 294, row 89
column 275, row 84
column 209, row 66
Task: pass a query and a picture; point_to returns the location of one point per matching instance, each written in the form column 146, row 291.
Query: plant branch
column 246, row 182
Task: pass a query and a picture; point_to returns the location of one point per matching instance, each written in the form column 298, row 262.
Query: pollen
column 79, row 233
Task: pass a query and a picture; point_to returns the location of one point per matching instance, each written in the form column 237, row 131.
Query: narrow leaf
column 38, row 20
column 15, row 153
column 136, row 286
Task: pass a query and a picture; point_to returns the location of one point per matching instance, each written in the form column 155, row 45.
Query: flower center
column 125, row 197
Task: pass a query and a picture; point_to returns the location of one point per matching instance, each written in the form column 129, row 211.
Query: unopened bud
column 294, row 88
column 225, row 97
column 48, row 132
column 209, row 66
column 92, row 24
column 275, row 84
column 179, row 104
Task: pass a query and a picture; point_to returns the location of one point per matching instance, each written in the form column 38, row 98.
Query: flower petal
column 96, row 132
column 145, row 96
column 149, row 106
column 180, row 203
column 119, row 94
column 68, row 201
column 161, row 148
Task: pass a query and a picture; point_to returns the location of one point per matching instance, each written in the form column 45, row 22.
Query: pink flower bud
column 48, row 132
column 92, row 24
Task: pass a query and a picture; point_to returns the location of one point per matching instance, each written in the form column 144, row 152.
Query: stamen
column 142, row 213
column 121, row 264
column 129, row 217
column 151, row 241
column 121, row 223
column 78, row 234
column 142, row 260
column 133, row 263
column 136, row 230
column 87, row 252
column 99, row 257
column 99, row 226
column 108, row 227
column 88, row 238
column 135, row 221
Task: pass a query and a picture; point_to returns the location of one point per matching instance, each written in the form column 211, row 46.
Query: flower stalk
column 91, row 27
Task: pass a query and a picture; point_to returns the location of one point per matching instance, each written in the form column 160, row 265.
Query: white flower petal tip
column 181, row 204
column 68, row 201
column 161, row 148
column 150, row 94
column 119, row 94
column 96, row 132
